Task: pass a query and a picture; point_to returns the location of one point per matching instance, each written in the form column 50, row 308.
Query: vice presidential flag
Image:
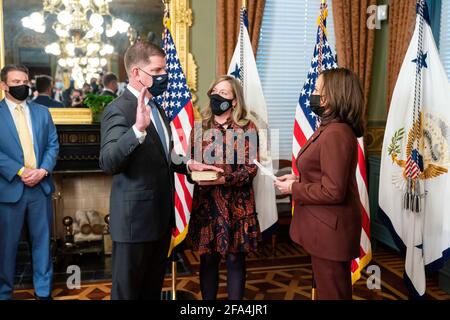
column 306, row 123
column 243, row 67
column 414, row 181
column 177, row 103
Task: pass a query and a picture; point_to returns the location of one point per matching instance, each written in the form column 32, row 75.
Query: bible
column 205, row 175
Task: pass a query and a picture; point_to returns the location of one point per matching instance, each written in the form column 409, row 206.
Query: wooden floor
column 285, row 276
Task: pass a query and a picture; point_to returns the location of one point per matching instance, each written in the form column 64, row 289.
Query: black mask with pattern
column 219, row 104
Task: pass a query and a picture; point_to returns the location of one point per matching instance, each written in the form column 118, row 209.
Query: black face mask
column 219, row 104
column 20, row 93
column 159, row 85
column 315, row 105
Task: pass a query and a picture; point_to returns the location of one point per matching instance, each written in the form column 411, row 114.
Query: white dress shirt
column 12, row 108
column 141, row 135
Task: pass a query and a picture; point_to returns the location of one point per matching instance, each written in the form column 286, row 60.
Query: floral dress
column 223, row 217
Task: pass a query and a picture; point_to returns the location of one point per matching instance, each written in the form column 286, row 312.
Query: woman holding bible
column 223, row 220
column 327, row 216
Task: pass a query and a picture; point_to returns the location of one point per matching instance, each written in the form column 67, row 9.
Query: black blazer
column 48, row 102
column 142, row 194
column 108, row 93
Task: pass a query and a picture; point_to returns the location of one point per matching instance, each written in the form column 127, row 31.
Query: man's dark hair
column 151, row 37
column 78, row 99
column 108, row 78
column 140, row 52
column 12, row 67
column 43, row 83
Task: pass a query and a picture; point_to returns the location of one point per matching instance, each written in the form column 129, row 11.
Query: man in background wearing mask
column 136, row 148
column 76, row 98
column 28, row 152
column 94, row 86
column 67, row 93
column 58, row 91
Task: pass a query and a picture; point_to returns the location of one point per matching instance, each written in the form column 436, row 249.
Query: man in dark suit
column 44, row 86
column 110, row 85
column 135, row 148
column 67, row 101
column 28, row 152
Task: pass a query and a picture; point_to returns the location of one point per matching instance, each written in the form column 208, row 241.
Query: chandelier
column 84, row 29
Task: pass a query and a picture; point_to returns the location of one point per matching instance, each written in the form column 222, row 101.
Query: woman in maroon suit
column 327, row 218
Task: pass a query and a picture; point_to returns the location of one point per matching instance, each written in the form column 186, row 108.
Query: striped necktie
column 159, row 126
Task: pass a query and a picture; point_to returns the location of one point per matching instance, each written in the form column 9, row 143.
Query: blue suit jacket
column 46, row 148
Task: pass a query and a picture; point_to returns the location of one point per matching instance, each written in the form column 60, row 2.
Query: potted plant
column 97, row 104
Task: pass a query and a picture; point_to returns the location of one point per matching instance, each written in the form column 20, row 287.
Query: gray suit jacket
column 142, row 194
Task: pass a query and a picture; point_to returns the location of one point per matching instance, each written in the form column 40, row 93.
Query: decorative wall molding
column 374, row 137
column 182, row 19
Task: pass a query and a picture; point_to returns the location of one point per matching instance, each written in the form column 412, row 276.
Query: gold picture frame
column 181, row 21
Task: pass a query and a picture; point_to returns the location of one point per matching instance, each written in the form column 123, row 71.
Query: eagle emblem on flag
column 434, row 146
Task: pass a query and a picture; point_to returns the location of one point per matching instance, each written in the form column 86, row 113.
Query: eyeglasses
column 145, row 72
column 149, row 73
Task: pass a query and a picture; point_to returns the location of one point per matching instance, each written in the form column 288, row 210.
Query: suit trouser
column 333, row 279
column 138, row 269
column 35, row 208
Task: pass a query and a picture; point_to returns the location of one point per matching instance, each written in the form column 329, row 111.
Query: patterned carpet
column 285, row 276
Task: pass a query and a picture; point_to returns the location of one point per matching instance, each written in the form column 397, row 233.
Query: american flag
column 177, row 103
column 306, row 123
column 412, row 168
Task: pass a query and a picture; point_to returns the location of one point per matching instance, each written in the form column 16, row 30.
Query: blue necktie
column 158, row 125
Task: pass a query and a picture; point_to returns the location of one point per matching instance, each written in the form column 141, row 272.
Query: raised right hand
column 142, row 112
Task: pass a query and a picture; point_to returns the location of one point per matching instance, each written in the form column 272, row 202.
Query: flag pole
column 166, row 23
column 174, row 275
column 313, row 288
column 244, row 4
column 322, row 4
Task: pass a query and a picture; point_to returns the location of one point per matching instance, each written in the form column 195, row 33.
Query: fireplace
column 80, row 184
